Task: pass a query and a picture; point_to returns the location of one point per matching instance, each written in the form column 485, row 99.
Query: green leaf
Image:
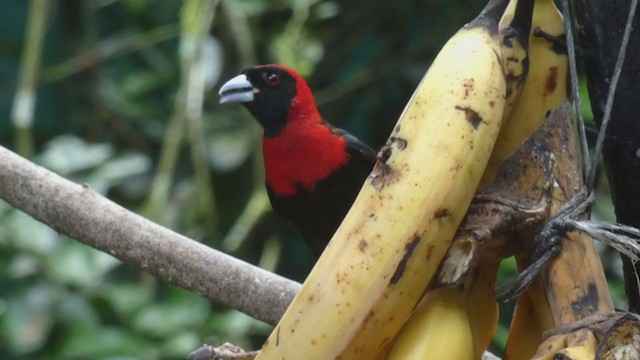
column 68, row 154
column 116, row 170
column 29, row 235
column 75, row 310
column 234, row 327
column 181, row 344
column 26, row 324
column 180, row 312
column 76, row 264
column 104, row 343
column 229, row 149
column 127, row 298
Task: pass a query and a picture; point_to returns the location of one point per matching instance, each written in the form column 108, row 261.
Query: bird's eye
column 272, row 79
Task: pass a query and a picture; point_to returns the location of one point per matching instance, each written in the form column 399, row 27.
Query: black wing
column 360, row 151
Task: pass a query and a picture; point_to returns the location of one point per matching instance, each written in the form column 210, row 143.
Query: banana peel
column 621, row 340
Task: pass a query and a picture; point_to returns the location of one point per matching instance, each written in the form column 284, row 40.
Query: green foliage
column 111, row 74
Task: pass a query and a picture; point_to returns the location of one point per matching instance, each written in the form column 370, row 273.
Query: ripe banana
column 478, row 303
column 544, row 89
column 438, row 329
column 525, row 328
column 582, row 350
column 550, row 347
column 516, row 30
column 579, row 345
column 531, row 319
column 482, row 306
column 382, row 257
column 515, row 27
column 447, row 316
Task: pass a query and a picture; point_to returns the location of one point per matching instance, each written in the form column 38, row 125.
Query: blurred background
column 117, row 89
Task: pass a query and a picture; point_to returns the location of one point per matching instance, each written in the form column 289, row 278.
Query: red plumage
column 302, row 154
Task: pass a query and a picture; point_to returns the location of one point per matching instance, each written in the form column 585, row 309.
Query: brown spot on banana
column 468, row 86
column 362, row 245
column 472, row 116
column 441, row 213
column 588, row 303
column 402, row 265
column 365, row 321
column 552, row 80
column 342, row 278
column 429, row 251
column 382, row 173
column 500, row 61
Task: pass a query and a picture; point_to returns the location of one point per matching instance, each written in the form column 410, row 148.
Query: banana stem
column 574, row 281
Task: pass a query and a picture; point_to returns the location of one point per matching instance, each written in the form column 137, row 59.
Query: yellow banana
column 579, row 345
column 438, row 329
column 479, row 303
column 482, row 306
column 450, row 315
column 474, row 306
column 524, row 327
column 549, row 347
column 531, row 319
column 382, row 257
column 515, row 27
column 544, row 89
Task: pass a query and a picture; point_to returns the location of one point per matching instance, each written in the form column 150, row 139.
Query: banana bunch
column 369, row 294
column 545, row 89
column 537, row 77
column 381, row 259
column 472, row 307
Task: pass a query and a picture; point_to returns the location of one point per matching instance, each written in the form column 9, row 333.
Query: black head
column 268, row 92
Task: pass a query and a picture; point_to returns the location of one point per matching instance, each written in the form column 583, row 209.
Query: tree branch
column 83, row 214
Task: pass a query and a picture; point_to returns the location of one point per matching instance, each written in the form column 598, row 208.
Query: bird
column 313, row 170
